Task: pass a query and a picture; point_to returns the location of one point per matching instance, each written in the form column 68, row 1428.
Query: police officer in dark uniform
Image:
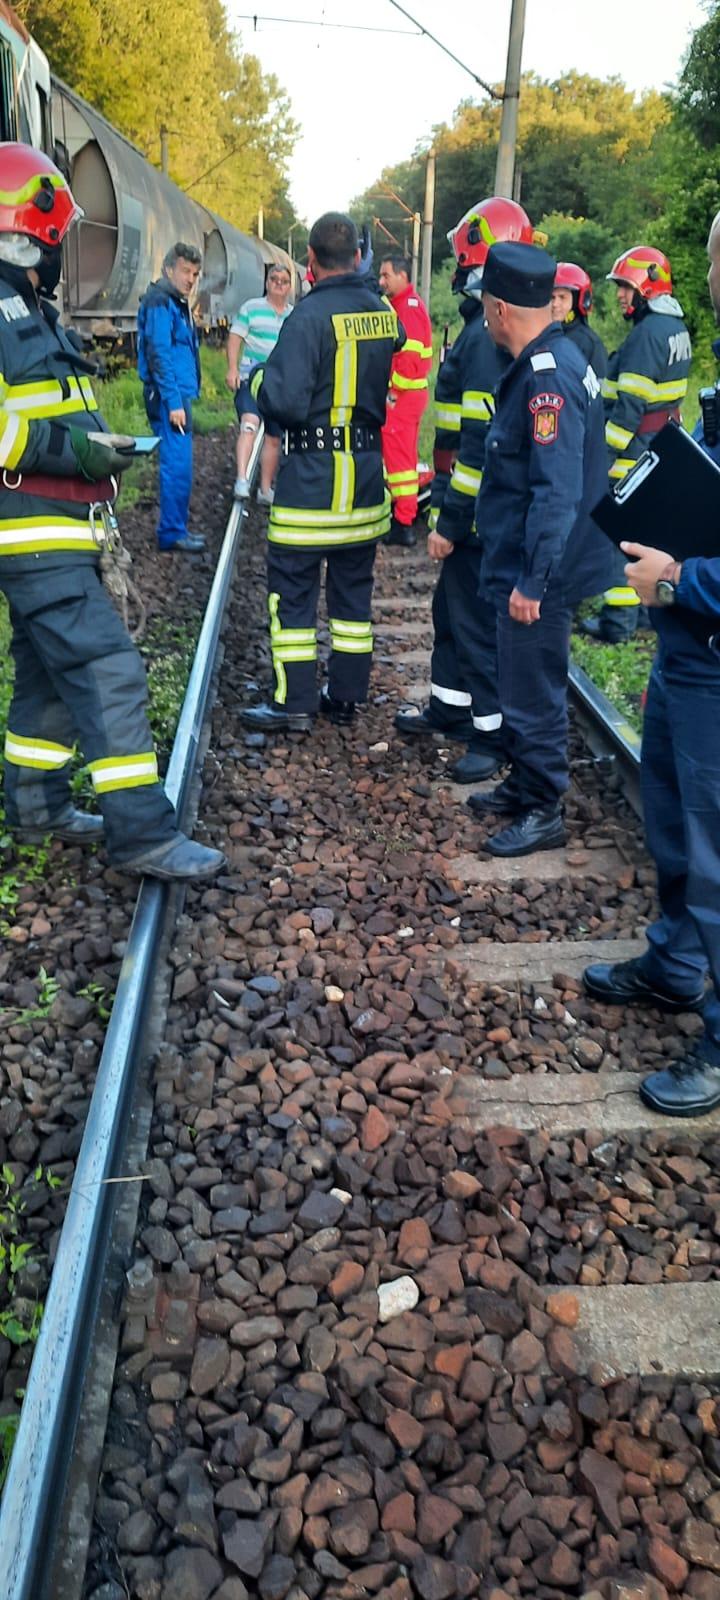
column 464, row 702
column 77, row 674
column 544, row 469
column 680, row 777
column 326, row 384
column 572, row 301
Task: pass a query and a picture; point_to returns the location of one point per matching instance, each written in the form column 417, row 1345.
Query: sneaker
column 241, row 490
column 265, row 497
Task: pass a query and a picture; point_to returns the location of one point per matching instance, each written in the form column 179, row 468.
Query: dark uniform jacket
column 464, row 405
column 44, row 387
column 646, row 381
column 544, row 470
column 588, row 343
column 326, row 381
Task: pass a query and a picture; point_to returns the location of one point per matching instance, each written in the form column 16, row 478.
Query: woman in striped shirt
column 253, row 334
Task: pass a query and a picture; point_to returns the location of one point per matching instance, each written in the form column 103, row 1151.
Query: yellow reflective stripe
column 413, row 347
column 343, row 494
column 17, row 197
column 617, row 438
column 433, row 518
column 32, row 535
column 123, row 772
column 39, row 753
column 479, row 404
column 609, row 389
column 621, row 466
column 46, row 398
column 329, row 537
column 300, row 516
column 401, row 477
column 344, row 382
column 466, row 480
column 256, row 381
column 643, row 388
column 400, row 491
column 397, row 381
column 278, row 668
column 448, row 418
column 354, row 638
column 352, row 647
column 14, row 433
column 621, row 597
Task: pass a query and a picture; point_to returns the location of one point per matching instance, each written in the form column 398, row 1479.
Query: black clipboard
column 670, row 499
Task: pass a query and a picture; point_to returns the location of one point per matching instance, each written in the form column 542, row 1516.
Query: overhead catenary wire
column 495, row 94
column 319, row 22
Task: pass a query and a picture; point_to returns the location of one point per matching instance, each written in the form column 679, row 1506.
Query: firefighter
column 326, row 384
column 571, row 304
column 645, row 383
column 464, row 703
column 77, row 674
column 407, row 397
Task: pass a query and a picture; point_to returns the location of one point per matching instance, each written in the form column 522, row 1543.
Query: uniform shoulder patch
column 544, row 361
column 545, row 411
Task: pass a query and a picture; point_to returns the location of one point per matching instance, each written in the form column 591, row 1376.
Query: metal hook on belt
column 6, row 479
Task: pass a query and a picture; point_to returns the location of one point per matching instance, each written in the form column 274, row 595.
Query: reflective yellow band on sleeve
column 621, row 466
column 14, row 433
column 448, row 417
column 643, row 388
column 256, row 382
column 609, row 389
column 42, row 754
column 397, row 381
column 478, row 405
column 466, row 480
column 621, row 597
column 124, row 772
column 617, row 438
column 47, row 398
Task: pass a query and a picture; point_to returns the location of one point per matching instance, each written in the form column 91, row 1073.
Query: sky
column 363, row 99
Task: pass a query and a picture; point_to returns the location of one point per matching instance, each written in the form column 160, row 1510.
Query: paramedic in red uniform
column 407, row 397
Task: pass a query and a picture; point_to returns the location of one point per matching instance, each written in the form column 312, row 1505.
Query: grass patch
column 120, row 399
column 620, row 670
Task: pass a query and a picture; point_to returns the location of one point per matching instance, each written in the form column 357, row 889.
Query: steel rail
column 607, row 731
column 33, row 1495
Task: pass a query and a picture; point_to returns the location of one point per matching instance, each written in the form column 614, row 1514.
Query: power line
column 319, row 22
column 494, row 93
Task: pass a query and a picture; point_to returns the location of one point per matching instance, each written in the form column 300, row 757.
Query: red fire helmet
column 646, row 269
column 570, row 276
column 35, row 198
column 484, row 225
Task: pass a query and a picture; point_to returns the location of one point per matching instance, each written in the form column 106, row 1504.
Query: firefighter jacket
column 168, row 345
column 588, row 342
column 464, row 405
column 646, row 381
column 411, row 365
column 45, row 502
column 326, row 384
column 544, row 471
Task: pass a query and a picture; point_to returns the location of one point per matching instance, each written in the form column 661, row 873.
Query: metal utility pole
column 164, row 158
column 505, row 168
column 428, row 218
column 416, row 226
column 261, row 223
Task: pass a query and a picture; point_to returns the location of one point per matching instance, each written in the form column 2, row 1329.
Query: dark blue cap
column 522, row 274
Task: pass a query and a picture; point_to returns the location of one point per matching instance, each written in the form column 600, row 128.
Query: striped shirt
column 258, row 324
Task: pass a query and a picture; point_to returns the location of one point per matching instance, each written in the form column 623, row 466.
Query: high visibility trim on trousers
column 20, row 536
column 450, row 697
column 352, row 638
column 617, row 438
column 343, row 494
column 344, row 382
column 124, row 772
column 448, row 417
column 397, row 381
column 488, row 724
column 403, row 484
column 48, row 398
column 14, row 432
column 287, row 645
column 39, row 753
column 478, row 405
column 466, row 480
column 636, row 383
column 619, row 596
column 621, row 466
column 415, row 347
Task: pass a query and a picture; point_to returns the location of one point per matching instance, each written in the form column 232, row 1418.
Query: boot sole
column 37, row 835
column 658, row 1002
column 700, row 1109
column 443, row 734
column 459, row 777
column 171, row 877
column 554, row 843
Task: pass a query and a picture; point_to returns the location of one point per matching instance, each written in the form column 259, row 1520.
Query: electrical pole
column 416, row 226
column 261, row 223
column 164, row 159
column 428, row 217
column 505, row 168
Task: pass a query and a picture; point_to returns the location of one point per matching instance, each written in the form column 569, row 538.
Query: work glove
column 366, row 252
column 98, row 455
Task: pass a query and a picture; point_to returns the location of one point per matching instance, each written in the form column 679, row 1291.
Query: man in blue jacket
column 169, row 369
column 680, row 776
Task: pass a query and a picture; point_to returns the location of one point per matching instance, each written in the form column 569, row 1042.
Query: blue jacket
column 464, row 404
column 168, row 345
column 545, row 467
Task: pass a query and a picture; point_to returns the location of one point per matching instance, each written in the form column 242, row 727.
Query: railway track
column 378, row 1064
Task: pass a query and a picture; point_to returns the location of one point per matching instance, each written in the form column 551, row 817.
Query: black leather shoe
column 275, row 719
column 191, row 545
column 503, row 799
column 180, row 858
column 689, row 1088
column 414, row 724
column 72, row 826
column 341, row 712
column 476, row 766
column 401, row 533
column 541, row 829
column 625, row 984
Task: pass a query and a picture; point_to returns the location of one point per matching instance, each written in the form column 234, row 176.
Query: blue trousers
column 176, row 451
column 463, row 670
column 680, row 776
column 532, row 685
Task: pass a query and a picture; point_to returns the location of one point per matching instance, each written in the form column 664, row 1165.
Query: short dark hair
column 399, row 263
column 334, row 238
column 183, row 252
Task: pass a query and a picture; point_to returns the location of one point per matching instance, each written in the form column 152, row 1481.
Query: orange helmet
column 35, row 198
column 645, row 269
column 486, row 223
column 570, row 276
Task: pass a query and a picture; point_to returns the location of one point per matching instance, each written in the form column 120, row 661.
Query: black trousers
column 293, row 592
column 532, row 679
column 79, row 678
column 464, row 681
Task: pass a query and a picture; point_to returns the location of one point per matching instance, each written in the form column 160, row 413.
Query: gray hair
column 182, row 252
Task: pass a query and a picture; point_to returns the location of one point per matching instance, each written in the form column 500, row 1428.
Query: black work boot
column 625, row 983
column 690, row 1087
column 614, row 624
column 341, row 712
column 503, row 799
column 72, row 826
column 414, row 724
column 275, row 719
column 540, row 829
column 480, row 762
column 179, row 858
column 401, row 533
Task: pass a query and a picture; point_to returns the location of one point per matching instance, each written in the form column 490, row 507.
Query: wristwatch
column 666, row 586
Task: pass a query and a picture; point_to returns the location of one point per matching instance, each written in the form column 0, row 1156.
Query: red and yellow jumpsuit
column 406, row 402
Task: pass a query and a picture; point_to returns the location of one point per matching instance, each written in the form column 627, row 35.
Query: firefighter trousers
column 400, row 453
column 79, row 678
column 293, row 593
column 463, row 671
